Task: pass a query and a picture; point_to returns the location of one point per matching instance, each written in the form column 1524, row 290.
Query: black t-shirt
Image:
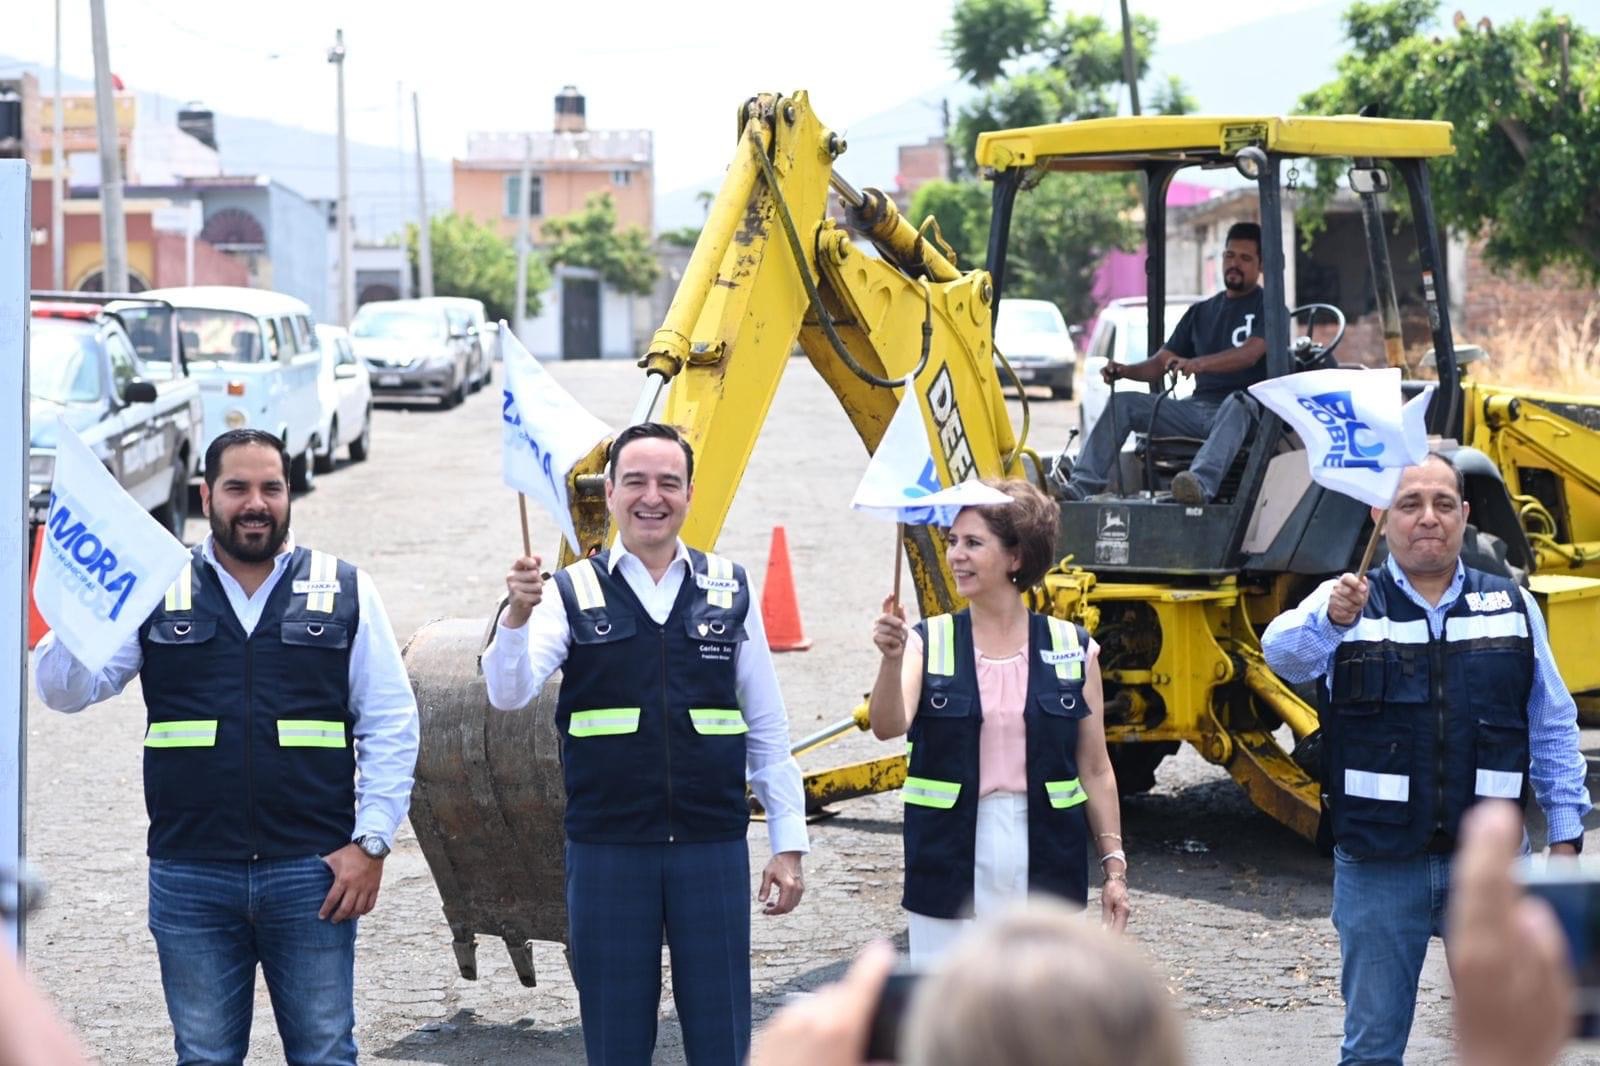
column 1216, row 325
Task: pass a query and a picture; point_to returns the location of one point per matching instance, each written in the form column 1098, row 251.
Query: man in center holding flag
column 669, row 703
column 1442, row 690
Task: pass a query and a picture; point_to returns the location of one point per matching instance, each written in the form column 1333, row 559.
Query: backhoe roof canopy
column 1130, row 143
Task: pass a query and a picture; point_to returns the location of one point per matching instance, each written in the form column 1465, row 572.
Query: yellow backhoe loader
column 1175, row 595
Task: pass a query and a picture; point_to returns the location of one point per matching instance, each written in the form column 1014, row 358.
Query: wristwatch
column 372, row 845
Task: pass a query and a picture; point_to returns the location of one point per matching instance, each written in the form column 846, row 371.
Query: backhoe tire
column 1135, row 764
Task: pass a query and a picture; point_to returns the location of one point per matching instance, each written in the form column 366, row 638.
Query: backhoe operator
column 1221, row 341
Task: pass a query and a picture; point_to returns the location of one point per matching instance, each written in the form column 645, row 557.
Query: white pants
column 999, row 875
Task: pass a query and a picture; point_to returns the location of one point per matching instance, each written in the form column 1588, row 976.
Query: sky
column 679, row 69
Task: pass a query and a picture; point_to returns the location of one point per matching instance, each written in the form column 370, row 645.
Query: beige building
column 570, row 163
column 582, row 317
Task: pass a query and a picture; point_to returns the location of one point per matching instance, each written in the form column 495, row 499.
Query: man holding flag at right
column 1442, row 691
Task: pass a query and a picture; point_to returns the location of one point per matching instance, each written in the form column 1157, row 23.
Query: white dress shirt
column 385, row 711
column 520, row 660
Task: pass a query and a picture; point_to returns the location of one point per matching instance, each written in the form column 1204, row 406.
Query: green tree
column 961, row 209
column 472, row 259
column 590, row 238
column 1525, row 102
column 1034, row 70
column 1061, row 231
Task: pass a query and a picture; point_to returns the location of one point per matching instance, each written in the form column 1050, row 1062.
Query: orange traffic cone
column 780, row 613
column 37, row 626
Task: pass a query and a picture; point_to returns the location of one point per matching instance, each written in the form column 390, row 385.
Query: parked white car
column 256, row 358
column 345, row 388
column 1035, row 340
column 1120, row 333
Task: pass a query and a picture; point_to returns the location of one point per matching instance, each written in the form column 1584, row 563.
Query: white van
column 256, row 356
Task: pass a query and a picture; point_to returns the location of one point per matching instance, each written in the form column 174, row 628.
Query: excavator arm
column 771, row 270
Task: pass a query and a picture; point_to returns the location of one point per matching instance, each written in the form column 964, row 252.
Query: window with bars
column 513, row 186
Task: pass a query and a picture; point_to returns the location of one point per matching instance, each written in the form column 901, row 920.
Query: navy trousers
column 620, row 898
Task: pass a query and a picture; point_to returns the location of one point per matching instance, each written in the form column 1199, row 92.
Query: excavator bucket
column 488, row 800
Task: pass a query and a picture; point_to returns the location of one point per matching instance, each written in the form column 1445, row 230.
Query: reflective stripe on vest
column 605, row 722
column 1065, row 654
column 1486, row 626
column 181, row 734
column 310, row 734
column 1392, row 788
column 324, row 579
column 720, row 570
column 716, row 723
column 1377, row 630
column 942, row 645
column 586, row 586
column 926, row 792
column 180, row 595
column 1500, row 784
column 1063, row 794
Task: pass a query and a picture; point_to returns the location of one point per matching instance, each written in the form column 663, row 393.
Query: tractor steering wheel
column 1307, row 353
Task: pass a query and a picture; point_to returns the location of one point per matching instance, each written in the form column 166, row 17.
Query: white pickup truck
column 138, row 410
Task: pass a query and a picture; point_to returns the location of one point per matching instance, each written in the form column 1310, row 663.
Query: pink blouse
column 1002, row 739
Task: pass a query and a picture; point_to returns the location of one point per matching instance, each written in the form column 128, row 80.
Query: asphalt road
column 1231, row 908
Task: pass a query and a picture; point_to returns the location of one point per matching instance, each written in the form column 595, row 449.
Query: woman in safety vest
column 1009, row 780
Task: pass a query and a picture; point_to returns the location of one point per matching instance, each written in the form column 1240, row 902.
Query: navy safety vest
column 248, row 753
column 941, row 789
column 1420, row 727
column 652, row 737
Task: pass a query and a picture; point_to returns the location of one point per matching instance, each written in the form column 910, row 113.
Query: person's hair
column 1027, row 525
column 1038, row 987
column 651, row 430
column 1441, row 457
column 1245, row 231
column 236, row 438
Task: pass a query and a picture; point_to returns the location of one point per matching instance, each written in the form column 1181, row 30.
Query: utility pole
column 944, row 131
column 346, row 280
column 14, row 488
column 113, row 230
column 524, row 242
column 58, row 178
column 1129, row 72
column 424, row 231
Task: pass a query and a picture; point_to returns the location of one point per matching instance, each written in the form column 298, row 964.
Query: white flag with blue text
column 1358, row 433
column 544, row 433
column 902, row 480
column 104, row 563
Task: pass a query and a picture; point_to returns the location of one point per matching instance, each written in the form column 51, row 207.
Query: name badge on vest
column 1498, row 600
column 1055, row 658
column 717, row 584
column 312, row 588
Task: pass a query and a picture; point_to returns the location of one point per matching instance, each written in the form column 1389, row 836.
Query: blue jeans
column 1223, row 426
column 214, row 921
column 1385, row 911
column 620, row 900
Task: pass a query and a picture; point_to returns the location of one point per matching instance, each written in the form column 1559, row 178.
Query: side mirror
column 1369, row 180
column 345, row 370
column 139, row 391
column 457, row 335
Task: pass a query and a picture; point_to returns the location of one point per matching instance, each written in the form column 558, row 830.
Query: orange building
column 569, row 163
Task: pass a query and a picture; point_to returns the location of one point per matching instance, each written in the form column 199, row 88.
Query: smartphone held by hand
column 888, row 1018
column 1572, row 889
